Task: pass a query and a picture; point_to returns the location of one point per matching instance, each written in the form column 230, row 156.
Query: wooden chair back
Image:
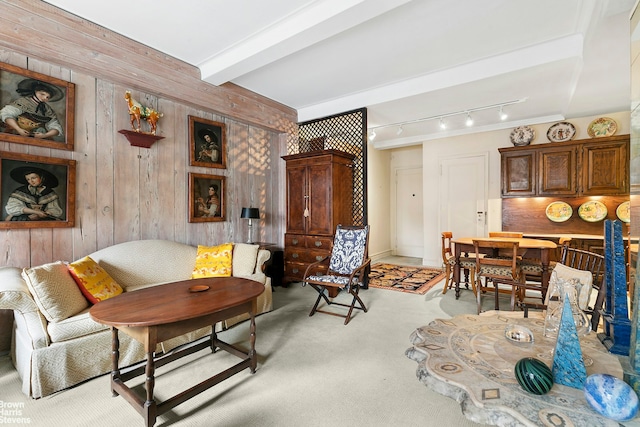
column 447, row 252
column 581, row 259
column 509, row 257
column 515, row 234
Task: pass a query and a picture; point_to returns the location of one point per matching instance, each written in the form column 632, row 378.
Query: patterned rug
column 416, row 280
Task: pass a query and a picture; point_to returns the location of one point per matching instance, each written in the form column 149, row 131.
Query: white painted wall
column 379, row 206
column 428, row 156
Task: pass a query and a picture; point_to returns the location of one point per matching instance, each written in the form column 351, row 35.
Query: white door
column 463, row 195
column 409, row 229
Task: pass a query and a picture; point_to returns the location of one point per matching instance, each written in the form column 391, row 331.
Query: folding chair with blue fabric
column 347, row 268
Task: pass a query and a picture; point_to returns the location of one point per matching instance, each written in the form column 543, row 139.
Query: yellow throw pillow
column 94, row 282
column 213, row 261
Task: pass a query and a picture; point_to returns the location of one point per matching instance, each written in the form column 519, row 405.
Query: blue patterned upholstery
column 348, row 250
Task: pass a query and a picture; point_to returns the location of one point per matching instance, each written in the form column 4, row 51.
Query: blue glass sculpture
column 568, row 366
column 611, row 397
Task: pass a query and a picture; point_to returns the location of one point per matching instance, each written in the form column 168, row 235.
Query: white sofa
column 52, row 356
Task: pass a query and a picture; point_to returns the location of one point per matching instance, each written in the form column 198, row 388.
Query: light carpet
column 404, row 278
column 312, row 371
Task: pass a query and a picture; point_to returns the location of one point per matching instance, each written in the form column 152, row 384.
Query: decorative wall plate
column 561, row 131
column 623, row 211
column 603, row 126
column 592, row 211
column 559, row 211
column 522, row 135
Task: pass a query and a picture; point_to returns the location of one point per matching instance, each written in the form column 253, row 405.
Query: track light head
column 443, row 125
column 503, row 116
column 469, row 121
column 372, row 135
column 400, row 129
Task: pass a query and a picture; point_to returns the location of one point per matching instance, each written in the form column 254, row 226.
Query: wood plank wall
column 128, row 193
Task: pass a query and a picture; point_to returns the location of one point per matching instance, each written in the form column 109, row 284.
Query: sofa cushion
column 213, row 261
column 54, row 291
column 94, row 282
column 244, row 259
column 73, row 327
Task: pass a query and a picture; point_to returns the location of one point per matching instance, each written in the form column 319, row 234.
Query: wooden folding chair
column 347, row 267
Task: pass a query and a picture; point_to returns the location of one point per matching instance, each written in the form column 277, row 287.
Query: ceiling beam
column 308, row 25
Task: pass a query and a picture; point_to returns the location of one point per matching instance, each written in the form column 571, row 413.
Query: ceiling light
column 443, row 125
column 469, row 121
column 372, row 135
column 399, row 130
column 503, row 116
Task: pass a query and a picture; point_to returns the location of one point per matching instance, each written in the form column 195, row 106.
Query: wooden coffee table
column 156, row 314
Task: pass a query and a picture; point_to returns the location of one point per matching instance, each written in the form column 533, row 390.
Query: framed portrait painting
column 208, row 143
column 37, row 191
column 206, row 198
column 36, row 109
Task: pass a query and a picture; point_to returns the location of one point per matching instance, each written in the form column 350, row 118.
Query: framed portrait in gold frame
column 37, row 191
column 206, row 198
column 36, row 109
column 208, row 143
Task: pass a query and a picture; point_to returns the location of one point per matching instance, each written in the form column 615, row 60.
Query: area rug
column 417, row 280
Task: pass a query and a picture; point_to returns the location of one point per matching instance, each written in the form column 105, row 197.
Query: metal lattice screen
column 345, row 132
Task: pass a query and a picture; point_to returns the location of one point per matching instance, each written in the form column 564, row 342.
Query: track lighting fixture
column 503, row 116
column 469, row 121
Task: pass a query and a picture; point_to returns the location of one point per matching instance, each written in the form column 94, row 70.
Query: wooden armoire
column 319, row 197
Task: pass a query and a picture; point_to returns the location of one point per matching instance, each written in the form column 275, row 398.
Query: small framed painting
column 36, row 191
column 208, row 143
column 206, row 198
column 36, row 109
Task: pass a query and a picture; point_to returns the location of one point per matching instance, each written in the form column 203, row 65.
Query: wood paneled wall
column 129, row 193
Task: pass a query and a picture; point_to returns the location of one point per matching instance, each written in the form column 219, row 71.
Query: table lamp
column 250, row 214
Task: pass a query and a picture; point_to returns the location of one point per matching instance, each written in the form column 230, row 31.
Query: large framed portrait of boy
column 208, row 143
column 36, row 109
column 206, row 198
column 37, row 191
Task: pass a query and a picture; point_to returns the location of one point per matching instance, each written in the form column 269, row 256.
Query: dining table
column 535, row 249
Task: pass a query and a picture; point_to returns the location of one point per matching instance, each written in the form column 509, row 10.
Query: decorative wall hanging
column 522, row 135
column 208, row 143
column 561, row 131
column 206, row 198
column 36, row 109
column 36, row 191
column 601, row 127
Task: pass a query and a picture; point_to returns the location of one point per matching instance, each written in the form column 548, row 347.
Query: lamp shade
column 250, row 213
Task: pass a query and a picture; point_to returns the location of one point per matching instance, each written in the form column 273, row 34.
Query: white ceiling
column 403, row 60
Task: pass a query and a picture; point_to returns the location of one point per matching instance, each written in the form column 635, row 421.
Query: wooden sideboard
column 319, row 197
column 588, row 167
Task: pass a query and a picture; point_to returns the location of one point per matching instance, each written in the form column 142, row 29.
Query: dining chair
column 467, row 264
column 578, row 262
column 499, row 269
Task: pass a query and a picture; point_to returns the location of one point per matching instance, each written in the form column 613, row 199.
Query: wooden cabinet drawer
column 304, row 255
column 294, row 240
column 319, row 242
column 294, row 271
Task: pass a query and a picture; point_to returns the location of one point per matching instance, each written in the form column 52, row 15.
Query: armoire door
column 320, row 199
column 296, row 199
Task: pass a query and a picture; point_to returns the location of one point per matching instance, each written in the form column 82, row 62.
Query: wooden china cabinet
column 319, row 197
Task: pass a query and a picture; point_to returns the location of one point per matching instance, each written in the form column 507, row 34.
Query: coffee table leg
column 214, row 339
column 115, row 356
column 252, row 343
column 150, row 404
